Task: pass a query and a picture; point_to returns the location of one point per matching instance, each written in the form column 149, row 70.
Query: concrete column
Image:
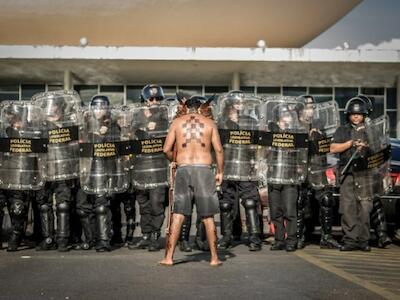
column 67, row 80
column 235, row 83
column 398, row 106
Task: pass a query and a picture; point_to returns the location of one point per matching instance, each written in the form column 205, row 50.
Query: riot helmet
column 356, row 105
column 152, row 92
column 100, row 105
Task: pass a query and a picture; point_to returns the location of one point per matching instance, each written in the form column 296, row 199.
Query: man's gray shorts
column 195, row 183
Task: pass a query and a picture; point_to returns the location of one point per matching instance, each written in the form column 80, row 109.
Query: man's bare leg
column 175, row 229
column 211, row 231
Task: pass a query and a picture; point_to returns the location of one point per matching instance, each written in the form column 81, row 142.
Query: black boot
column 47, row 224
column 103, row 229
column 14, row 241
column 226, row 226
column 63, row 230
column 325, row 217
column 253, row 226
column 184, row 245
column 154, row 244
column 130, row 229
column 143, row 243
column 378, row 223
column 88, row 241
column 116, row 237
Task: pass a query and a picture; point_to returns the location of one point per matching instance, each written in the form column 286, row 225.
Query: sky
column 371, row 24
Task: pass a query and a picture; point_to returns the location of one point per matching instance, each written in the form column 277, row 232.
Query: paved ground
column 124, row 274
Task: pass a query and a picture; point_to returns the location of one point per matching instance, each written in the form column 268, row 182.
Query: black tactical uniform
column 355, row 212
column 151, row 201
column 323, row 194
column 233, row 190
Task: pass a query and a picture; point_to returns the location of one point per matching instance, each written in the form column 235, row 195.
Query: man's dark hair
column 193, row 103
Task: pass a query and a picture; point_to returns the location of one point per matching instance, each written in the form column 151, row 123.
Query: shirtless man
column 193, row 135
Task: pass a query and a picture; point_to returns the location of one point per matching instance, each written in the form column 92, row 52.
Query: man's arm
column 219, row 154
column 169, row 143
column 341, row 147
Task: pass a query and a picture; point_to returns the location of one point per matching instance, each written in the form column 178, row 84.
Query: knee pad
column 101, row 210
column 63, row 207
column 249, row 203
column 44, row 208
column 17, row 208
column 327, row 200
column 81, row 213
column 225, row 206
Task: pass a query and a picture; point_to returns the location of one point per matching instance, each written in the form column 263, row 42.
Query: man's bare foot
column 166, row 262
column 215, row 263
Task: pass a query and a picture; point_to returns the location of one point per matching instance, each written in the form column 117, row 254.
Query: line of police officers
column 87, row 161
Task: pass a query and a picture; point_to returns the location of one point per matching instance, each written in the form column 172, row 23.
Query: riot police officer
column 316, row 186
column 150, row 170
column 22, row 162
column 286, row 159
column 60, row 109
column 378, row 218
column 239, row 112
column 102, row 173
column 351, row 141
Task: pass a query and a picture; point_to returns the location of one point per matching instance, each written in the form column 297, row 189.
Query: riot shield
column 60, row 109
column 239, row 120
column 149, row 129
column 324, row 123
column 286, row 140
column 372, row 164
column 23, row 146
column 104, row 159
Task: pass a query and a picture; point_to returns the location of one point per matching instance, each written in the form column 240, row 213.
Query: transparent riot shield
column 22, row 147
column 286, row 140
column 372, row 164
column 325, row 121
column 104, row 159
column 239, row 121
column 60, row 109
column 149, row 129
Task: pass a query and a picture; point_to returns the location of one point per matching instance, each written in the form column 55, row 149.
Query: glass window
column 343, row 94
column 55, row 87
column 115, row 93
column 373, row 91
column 248, row 89
column 170, row 90
column 9, row 96
column 294, row 91
column 111, row 89
column 9, row 88
column 133, row 93
column 28, row 90
column 392, row 123
column 319, row 98
column 191, row 90
column 86, row 92
column 218, row 90
column 391, row 98
column 9, row 92
column 320, row 91
column 268, row 90
column 378, row 104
